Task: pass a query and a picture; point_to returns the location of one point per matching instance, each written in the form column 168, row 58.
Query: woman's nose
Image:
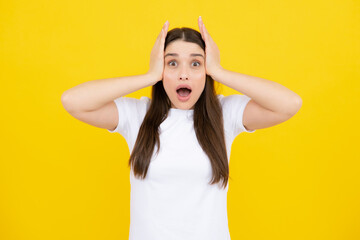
column 184, row 73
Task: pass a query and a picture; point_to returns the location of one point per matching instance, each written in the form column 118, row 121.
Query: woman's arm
column 270, row 104
column 270, row 95
column 92, row 95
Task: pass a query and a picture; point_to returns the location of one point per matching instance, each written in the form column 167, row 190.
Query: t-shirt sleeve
column 131, row 112
column 233, row 110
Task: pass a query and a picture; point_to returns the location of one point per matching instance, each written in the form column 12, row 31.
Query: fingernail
column 200, row 18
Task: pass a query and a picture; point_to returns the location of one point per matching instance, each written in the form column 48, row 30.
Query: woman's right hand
column 157, row 55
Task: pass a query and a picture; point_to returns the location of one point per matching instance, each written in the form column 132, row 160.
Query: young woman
column 180, row 139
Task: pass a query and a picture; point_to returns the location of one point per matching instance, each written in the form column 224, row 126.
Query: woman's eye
column 174, row 62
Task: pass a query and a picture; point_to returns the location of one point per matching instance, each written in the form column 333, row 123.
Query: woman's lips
column 183, row 86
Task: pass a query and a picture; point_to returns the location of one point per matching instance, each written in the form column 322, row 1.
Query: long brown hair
column 208, row 121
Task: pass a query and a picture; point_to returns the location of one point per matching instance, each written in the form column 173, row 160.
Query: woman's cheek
column 199, row 75
column 166, row 74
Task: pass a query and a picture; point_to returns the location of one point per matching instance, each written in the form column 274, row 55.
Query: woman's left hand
column 212, row 59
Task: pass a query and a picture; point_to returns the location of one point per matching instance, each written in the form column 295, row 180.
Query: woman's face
column 184, row 64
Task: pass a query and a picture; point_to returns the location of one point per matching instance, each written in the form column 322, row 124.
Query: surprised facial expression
column 184, row 73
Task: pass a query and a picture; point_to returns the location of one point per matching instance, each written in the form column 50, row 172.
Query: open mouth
column 183, row 90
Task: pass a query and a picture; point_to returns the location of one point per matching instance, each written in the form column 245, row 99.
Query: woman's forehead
column 183, row 48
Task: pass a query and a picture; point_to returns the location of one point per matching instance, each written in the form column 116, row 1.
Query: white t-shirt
column 175, row 201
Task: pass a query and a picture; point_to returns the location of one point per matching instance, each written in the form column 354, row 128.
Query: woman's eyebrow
column 192, row 54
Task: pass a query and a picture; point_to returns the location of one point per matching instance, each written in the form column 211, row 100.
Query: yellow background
column 63, row 179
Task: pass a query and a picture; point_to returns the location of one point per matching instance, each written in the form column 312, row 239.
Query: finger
column 200, row 27
column 199, row 23
column 206, row 33
column 203, row 32
column 166, row 27
column 161, row 32
column 164, row 31
column 160, row 36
